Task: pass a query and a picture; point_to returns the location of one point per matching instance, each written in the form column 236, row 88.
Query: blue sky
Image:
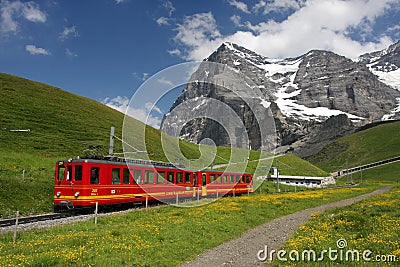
column 105, row 49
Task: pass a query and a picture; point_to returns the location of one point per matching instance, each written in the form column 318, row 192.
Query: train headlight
column 76, row 194
column 58, row 194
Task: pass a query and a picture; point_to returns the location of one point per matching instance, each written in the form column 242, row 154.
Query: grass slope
column 370, row 145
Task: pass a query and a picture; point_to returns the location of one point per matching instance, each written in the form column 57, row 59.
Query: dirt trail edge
column 243, row 250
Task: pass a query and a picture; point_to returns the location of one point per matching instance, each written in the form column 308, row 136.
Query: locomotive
column 83, row 182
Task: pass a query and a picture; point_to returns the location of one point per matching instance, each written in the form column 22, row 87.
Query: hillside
column 366, row 146
column 63, row 125
column 60, row 123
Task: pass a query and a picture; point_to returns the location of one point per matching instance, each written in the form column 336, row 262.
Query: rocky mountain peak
column 314, row 98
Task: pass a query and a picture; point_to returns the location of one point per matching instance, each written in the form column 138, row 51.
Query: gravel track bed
column 243, row 250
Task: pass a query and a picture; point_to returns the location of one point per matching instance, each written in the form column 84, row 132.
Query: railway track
column 35, row 218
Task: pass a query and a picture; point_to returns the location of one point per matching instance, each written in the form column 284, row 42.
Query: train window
column 204, row 179
column 219, row 179
column 125, row 176
column 212, row 178
column 187, row 177
column 179, row 177
column 170, row 177
column 149, row 177
column 237, row 180
column 226, row 178
column 248, row 179
column 78, row 173
column 94, row 175
column 137, row 175
column 232, row 178
column 116, row 178
column 69, row 173
column 61, row 171
column 160, row 177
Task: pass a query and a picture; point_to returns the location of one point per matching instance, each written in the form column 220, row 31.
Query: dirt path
column 243, row 250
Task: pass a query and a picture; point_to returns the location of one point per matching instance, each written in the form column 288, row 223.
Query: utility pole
column 111, row 150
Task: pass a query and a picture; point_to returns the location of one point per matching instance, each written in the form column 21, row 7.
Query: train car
column 82, row 182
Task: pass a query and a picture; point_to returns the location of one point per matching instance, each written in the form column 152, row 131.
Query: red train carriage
column 108, row 181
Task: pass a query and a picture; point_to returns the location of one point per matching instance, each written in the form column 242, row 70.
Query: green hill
column 63, row 125
column 366, row 146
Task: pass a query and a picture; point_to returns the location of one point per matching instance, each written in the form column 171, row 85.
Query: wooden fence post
column 95, row 212
column 16, row 228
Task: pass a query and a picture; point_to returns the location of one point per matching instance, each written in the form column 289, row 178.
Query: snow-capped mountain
column 314, row 98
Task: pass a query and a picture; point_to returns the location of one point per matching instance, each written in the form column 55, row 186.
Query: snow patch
column 391, row 78
column 392, row 112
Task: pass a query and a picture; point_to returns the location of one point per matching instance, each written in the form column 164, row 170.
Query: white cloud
column 31, row 12
column 69, row 53
column 239, row 5
column 144, row 114
column 33, row 50
column 236, row 20
column 162, row 80
column 12, row 11
column 162, row 21
column 168, row 5
column 119, row 1
column 279, row 6
column 176, row 52
column 141, row 77
column 198, row 34
column 317, row 24
column 67, row 33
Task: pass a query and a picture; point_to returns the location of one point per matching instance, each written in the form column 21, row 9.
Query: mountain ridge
column 302, row 93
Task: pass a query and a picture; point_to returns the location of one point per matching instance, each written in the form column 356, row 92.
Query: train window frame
column 149, row 176
column 126, row 174
column 61, row 173
column 69, row 172
column 94, row 175
column 172, row 181
column 160, row 177
column 204, row 179
column 226, row 178
column 179, row 177
column 138, row 178
column 78, row 171
column 212, row 178
column 188, row 175
column 115, row 176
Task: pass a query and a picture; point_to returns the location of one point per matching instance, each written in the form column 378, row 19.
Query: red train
column 82, row 182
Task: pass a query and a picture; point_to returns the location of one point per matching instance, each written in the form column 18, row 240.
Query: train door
column 204, row 184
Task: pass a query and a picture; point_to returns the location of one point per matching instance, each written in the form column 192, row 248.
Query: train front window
column 94, row 175
column 61, row 170
column 78, row 173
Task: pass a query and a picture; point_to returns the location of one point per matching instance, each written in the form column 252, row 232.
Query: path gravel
column 243, row 250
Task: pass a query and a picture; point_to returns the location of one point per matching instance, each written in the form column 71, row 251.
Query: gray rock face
column 312, row 99
column 333, row 81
